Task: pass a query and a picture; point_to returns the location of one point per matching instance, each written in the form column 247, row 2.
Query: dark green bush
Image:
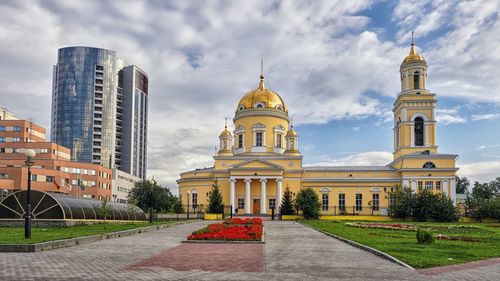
column 424, row 237
column 307, row 202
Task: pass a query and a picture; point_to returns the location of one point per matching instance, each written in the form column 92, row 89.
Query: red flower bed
column 231, row 230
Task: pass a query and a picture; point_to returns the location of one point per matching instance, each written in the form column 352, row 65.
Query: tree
column 404, row 200
column 287, row 203
column 463, row 184
column 215, row 205
column 307, row 202
column 424, row 205
column 443, row 208
column 484, row 202
column 104, row 210
column 150, row 196
column 177, row 207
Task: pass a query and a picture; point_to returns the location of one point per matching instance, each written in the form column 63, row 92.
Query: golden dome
column 261, row 98
column 291, row 133
column 225, row 133
column 413, row 56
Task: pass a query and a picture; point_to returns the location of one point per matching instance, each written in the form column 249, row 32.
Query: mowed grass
column 15, row 235
column 403, row 244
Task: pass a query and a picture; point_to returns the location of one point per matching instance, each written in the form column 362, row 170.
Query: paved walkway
column 292, row 252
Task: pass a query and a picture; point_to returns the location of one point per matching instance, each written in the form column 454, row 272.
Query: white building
column 122, row 184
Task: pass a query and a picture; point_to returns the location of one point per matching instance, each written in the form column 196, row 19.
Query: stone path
column 291, row 252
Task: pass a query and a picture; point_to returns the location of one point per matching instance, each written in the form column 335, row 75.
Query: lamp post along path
column 187, row 214
column 30, row 154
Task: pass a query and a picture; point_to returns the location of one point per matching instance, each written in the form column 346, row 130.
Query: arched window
column 279, row 107
column 429, row 165
column 397, row 133
column 259, row 105
column 416, row 80
column 241, row 108
column 419, row 131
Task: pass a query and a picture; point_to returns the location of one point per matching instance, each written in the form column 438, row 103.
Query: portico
column 269, row 187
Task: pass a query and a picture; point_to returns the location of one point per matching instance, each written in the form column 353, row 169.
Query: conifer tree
column 287, row 202
column 215, row 205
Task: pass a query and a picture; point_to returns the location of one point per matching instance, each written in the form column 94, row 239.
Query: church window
column 420, row 185
column 241, row 203
column 419, row 131
column 438, row 185
column 429, row 185
column 342, row 202
column 279, row 107
column 392, row 200
column 272, row 203
column 194, row 200
column 241, row 108
column 397, row 134
column 240, row 140
column 416, row 80
column 258, row 139
column 278, row 140
column 375, row 202
column 429, row 165
column 259, row 105
column 324, row 201
column 359, row 202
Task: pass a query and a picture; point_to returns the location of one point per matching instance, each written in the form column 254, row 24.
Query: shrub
column 404, row 201
column 215, row 205
column 443, row 209
column 424, row 237
column 307, row 202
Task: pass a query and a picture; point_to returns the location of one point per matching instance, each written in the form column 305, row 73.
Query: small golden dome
column 413, row 56
column 291, row 133
column 261, row 98
column 225, row 133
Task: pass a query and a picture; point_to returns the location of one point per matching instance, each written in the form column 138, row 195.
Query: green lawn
column 15, row 235
column 403, row 244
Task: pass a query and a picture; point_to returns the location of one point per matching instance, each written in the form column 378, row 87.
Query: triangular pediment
column 256, row 164
column 259, row 126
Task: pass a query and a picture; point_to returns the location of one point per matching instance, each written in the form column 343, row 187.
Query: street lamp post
column 30, row 154
column 188, row 203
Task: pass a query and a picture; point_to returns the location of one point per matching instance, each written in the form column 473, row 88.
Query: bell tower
column 414, row 118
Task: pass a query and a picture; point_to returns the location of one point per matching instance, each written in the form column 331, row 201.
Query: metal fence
column 357, row 210
column 192, row 212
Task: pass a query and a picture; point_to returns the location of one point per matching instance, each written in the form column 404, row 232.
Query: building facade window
column 419, row 183
column 419, row 131
column 17, row 129
column 342, row 202
column 33, row 177
column 2, row 139
column 194, row 199
column 16, row 139
column 240, row 141
column 375, row 202
column 429, row 185
column 241, row 203
column 392, row 200
column 49, row 179
column 416, row 80
column 2, row 128
column 438, row 185
column 429, row 165
column 279, row 138
column 258, row 139
column 272, row 203
column 359, row 202
column 324, row 201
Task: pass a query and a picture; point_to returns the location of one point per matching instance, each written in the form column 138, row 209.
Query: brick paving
column 292, row 252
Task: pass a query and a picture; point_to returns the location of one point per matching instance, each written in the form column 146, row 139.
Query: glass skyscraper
column 99, row 109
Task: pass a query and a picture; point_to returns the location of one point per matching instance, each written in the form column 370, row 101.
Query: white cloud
column 449, row 116
column 482, row 171
column 356, row 129
column 488, row 116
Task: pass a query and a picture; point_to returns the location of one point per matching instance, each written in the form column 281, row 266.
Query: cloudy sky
column 335, row 63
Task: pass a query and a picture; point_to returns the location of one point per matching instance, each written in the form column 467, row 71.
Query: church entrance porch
column 252, row 194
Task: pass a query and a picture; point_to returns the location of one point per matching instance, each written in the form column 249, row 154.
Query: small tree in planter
column 307, row 202
column 104, row 210
column 215, row 205
column 287, row 202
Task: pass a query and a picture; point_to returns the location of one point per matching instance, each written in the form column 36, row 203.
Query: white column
column 231, row 193
column 453, row 191
column 247, row 196
column 412, row 134
column 426, row 132
column 406, row 183
column 445, row 187
column 263, row 205
column 279, row 188
column 414, row 186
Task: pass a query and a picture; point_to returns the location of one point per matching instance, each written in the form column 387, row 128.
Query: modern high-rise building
column 99, row 109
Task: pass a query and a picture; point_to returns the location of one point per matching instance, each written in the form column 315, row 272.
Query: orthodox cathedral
column 261, row 157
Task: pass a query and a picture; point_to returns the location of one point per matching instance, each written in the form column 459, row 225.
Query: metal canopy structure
column 56, row 206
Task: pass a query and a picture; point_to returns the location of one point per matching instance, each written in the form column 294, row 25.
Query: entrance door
column 256, row 206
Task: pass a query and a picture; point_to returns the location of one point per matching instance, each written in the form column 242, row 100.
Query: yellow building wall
column 270, row 122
